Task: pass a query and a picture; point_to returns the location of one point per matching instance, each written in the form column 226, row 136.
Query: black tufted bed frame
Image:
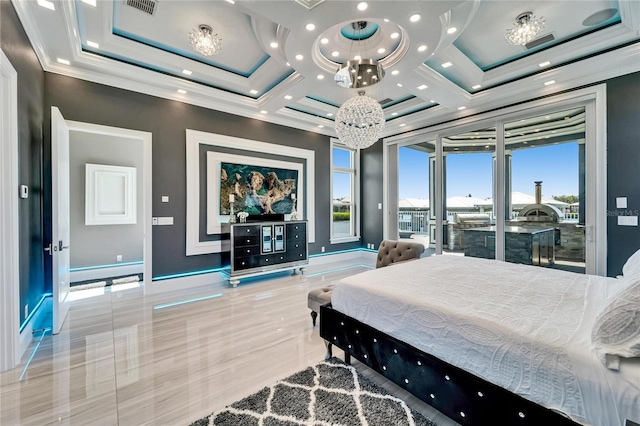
column 462, row 396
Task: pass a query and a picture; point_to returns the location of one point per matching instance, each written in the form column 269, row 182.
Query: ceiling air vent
column 540, row 40
column 147, row 6
column 385, row 101
column 309, row 4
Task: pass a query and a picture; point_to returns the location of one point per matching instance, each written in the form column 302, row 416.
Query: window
column 344, row 194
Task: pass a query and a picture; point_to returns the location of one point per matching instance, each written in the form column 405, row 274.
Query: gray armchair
column 389, row 252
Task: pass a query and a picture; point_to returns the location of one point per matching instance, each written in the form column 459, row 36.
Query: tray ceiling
column 273, row 67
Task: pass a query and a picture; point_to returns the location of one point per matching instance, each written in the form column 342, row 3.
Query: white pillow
column 616, row 332
column 631, row 268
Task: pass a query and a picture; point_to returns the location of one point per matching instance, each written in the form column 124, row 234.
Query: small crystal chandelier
column 526, row 28
column 203, row 41
column 360, row 121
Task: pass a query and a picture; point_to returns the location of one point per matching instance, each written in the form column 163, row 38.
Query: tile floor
column 124, row 358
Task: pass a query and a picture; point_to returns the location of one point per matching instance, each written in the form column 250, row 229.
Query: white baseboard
column 100, row 272
column 361, row 255
column 26, row 336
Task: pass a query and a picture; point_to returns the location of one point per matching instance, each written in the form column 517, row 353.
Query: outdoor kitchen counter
column 523, row 244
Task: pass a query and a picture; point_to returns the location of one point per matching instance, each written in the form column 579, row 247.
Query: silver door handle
column 48, row 249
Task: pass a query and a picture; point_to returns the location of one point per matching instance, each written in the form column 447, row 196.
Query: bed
column 489, row 342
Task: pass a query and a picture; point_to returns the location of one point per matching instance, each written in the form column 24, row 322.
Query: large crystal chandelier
column 203, row 41
column 526, row 28
column 360, row 121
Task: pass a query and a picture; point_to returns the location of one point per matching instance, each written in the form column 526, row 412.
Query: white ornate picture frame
column 110, row 195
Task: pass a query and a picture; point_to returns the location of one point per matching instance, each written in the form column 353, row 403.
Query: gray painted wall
column 100, row 244
column 371, row 194
column 167, row 121
column 623, row 172
column 15, row 45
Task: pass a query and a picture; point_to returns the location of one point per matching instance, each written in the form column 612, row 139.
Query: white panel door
column 60, row 234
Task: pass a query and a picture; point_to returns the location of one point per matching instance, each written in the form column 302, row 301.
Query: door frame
column 9, row 218
column 594, row 99
column 146, row 139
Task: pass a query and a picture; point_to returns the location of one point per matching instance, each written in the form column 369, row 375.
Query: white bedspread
column 524, row 328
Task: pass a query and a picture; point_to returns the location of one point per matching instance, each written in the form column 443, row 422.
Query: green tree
column 569, row 199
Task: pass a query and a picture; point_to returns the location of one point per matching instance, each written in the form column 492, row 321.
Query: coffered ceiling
column 274, row 66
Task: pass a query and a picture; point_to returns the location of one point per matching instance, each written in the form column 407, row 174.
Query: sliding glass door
column 545, row 190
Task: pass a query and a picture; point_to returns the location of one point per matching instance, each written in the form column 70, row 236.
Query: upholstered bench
column 389, row 252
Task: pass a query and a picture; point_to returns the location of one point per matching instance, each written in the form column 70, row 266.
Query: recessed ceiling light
column 547, row 117
column 446, row 65
column 381, row 50
column 299, row 57
column 385, row 20
column 273, row 44
column 324, row 40
column 231, row 1
column 452, row 30
column 403, row 124
column 335, row 53
column 90, row 2
column 394, row 113
column 544, row 64
column 422, row 87
column 63, row 61
column 362, row 5
column 432, row 101
column 477, row 86
column 187, row 72
column 415, row 17
column 395, row 72
column 263, row 111
column 287, row 97
column 547, row 83
column 310, row 27
column 182, row 91
column 46, row 4
column 320, row 125
column 399, row 85
column 320, row 77
column 288, row 64
column 253, row 91
column 394, row 35
column 93, row 44
column 329, row 114
column 422, row 48
column 461, row 108
column 357, row 57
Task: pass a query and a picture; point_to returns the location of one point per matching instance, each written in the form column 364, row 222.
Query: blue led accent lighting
column 199, row 58
column 346, row 268
column 188, row 274
column 88, row 268
column 340, row 251
column 351, row 33
column 182, row 302
column 34, row 310
column 44, row 332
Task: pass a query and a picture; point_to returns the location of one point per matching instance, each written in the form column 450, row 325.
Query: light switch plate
column 379, row 206
column 165, row 198
column 628, row 220
column 621, row 202
column 165, row 220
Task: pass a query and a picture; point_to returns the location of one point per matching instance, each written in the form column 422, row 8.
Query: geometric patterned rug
column 330, row 393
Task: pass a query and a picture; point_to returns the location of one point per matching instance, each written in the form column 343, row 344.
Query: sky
column 471, row 173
